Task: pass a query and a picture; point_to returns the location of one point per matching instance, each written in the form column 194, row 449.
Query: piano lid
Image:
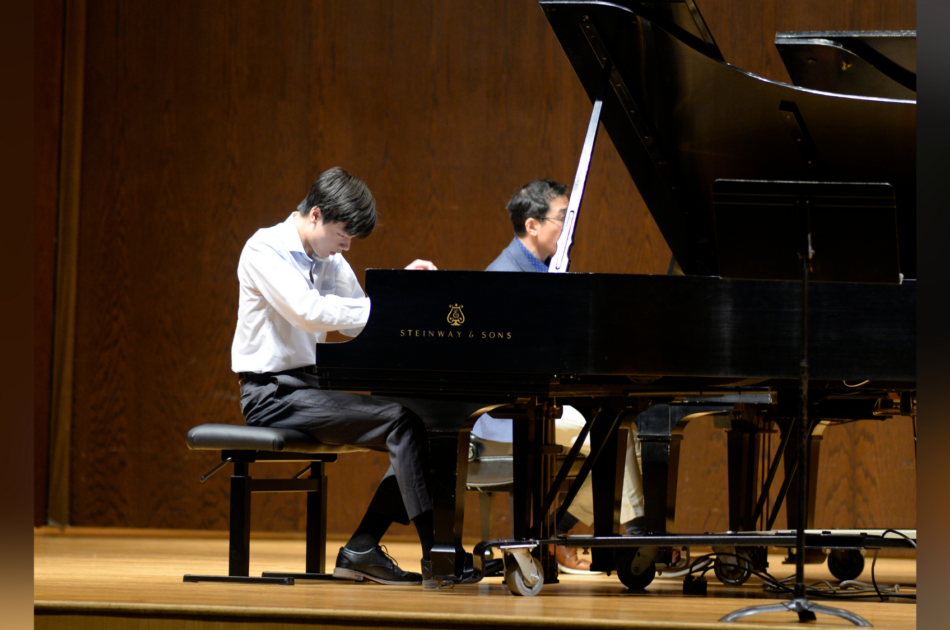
column 680, row 117
column 863, row 63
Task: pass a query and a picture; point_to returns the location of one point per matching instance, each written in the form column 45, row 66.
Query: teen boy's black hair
column 342, row 198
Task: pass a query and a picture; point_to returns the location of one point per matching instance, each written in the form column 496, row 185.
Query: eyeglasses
column 543, row 219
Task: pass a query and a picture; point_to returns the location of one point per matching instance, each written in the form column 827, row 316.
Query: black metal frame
column 781, row 539
column 239, row 539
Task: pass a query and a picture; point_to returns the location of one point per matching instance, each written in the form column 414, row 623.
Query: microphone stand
column 800, row 603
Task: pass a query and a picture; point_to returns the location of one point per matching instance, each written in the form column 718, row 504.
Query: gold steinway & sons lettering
column 455, row 318
column 455, row 334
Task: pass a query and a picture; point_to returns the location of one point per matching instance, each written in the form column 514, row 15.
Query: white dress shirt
column 282, row 313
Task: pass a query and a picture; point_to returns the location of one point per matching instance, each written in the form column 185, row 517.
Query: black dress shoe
column 375, row 565
column 469, row 574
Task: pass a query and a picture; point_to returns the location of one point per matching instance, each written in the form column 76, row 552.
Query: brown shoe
column 568, row 562
column 677, row 558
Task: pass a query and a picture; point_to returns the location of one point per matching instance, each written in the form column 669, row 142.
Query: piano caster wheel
column 846, row 564
column 732, row 570
column 523, row 574
column 636, row 569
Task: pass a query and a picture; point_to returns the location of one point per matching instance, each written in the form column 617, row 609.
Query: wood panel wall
column 47, row 120
column 206, row 121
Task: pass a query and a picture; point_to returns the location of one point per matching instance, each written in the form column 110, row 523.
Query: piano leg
column 448, row 424
column 672, row 476
column 522, row 434
column 534, row 468
column 607, row 484
column 660, row 433
column 742, row 447
column 655, row 432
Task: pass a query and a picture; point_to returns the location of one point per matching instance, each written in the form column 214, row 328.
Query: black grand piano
column 454, row 344
column 862, row 63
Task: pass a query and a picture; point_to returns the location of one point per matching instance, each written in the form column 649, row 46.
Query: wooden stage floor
column 106, row 579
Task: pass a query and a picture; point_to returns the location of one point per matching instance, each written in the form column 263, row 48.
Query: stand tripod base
column 806, row 611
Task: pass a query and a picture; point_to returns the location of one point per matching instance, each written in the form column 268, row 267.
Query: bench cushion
column 239, row 437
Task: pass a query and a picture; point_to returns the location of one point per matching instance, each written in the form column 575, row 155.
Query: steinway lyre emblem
column 456, row 317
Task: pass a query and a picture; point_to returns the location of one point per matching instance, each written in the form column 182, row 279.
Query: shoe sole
column 565, row 569
column 358, row 576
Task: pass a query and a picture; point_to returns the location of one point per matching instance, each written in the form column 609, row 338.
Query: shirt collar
column 289, row 235
column 536, row 264
column 290, row 238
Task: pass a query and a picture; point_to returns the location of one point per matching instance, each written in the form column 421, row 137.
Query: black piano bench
column 242, row 446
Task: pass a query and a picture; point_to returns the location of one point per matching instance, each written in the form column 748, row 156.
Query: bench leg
column 239, row 542
column 317, row 523
column 316, row 532
column 239, row 553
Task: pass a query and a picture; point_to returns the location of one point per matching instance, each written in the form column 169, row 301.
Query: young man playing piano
column 295, row 286
column 537, row 213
